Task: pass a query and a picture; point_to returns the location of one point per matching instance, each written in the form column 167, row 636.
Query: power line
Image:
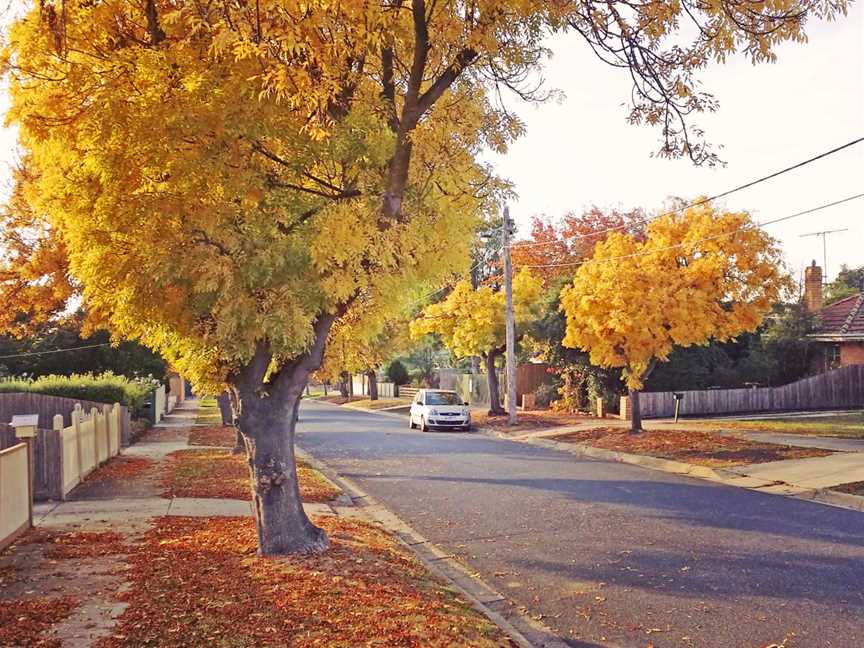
column 36, row 353
column 708, row 238
column 698, row 202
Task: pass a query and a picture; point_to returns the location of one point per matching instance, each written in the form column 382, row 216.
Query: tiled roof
column 844, row 317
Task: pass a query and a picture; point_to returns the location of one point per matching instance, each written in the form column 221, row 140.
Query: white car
column 439, row 408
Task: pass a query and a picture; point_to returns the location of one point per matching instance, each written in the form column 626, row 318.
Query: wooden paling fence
column 837, row 389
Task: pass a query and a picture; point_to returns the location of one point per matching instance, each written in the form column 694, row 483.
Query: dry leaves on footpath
column 24, row 621
column 218, row 473
column 198, row 581
column 222, row 436
column 121, row 467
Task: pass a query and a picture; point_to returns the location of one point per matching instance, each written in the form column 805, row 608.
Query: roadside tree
column 697, row 276
column 471, row 323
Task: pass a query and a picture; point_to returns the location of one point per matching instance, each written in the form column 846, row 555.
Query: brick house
column 840, row 326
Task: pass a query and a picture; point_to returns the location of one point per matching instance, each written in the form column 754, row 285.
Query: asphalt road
column 607, row 553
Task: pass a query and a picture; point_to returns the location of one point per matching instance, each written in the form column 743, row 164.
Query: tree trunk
column 635, row 413
column 372, row 377
column 268, row 429
column 343, row 385
column 267, row 420
column 495, row 408
column 239, row 441
column 224, row 401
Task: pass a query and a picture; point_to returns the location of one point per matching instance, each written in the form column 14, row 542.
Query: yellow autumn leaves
column 698, row 276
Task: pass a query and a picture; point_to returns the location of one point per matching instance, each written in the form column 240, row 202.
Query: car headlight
column 433, row 412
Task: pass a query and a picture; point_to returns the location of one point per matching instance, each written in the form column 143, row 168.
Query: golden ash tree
column 470, row 322
column 230, row 179
column 699, row 276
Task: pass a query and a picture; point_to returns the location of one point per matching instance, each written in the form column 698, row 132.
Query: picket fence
column 89, row 442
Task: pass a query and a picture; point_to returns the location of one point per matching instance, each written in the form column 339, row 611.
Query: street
column 607, row 553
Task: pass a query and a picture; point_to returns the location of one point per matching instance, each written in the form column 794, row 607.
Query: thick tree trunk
column 635, row 413
column 343, row 385
column 372, row 377
column 495, row 408
column 283, row 527
column 267, row 420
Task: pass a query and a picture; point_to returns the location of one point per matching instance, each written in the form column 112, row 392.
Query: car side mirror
column 465, row 403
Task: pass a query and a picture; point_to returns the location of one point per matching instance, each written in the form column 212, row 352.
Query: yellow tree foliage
column 471, row 322
column 229, row 179
column 697, row 276
column 35, row 286
column 363, row 346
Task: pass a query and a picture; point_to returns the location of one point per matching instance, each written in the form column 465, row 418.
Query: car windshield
column 442, row 398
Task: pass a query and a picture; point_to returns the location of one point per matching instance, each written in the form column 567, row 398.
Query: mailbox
column 678, row 396
column 25, row 425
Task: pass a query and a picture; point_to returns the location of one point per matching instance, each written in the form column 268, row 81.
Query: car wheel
column 423, row 426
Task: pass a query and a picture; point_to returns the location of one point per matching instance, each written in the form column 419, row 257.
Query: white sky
column 581, row 151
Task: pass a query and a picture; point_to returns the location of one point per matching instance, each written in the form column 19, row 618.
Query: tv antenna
column 824, row 234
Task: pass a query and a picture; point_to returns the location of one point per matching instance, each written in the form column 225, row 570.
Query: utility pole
column 511, row 323
column 824, row 234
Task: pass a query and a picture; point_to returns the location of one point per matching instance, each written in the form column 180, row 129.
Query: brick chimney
column 813, row 288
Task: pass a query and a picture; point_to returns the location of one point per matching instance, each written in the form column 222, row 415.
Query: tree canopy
column 700, row 275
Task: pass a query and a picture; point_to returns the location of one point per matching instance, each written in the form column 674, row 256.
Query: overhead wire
column 696, row 203
column 707, row 238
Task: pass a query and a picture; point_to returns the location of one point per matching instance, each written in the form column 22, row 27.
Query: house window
column 833, row 356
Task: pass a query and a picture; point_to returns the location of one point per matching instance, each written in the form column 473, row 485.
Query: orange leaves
column 697, row 276
column 217, row 473
column 224, row 436
column 23, row 621
column 197, row 581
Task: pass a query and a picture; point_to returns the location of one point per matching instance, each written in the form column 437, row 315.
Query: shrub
column 545, row 394
column 397, row 373
column 101, row 388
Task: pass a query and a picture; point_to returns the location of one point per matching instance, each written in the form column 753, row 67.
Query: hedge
column 101, row 388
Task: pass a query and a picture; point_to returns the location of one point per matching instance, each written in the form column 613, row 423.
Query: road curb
column 523, row 630
column 718, row 475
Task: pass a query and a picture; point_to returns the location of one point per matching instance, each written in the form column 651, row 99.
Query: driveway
column 608, row 553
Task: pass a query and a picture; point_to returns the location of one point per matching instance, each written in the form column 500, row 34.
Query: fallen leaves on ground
column 198, row 581
column 223, row 436
column 24, row 621
column 531, row 420
column 381, row 403
column 121, row 467
column 338, row 399
column 217, row 473
column 853, row 488
column 85, row 544
column 165, row 434
column 702, row 448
